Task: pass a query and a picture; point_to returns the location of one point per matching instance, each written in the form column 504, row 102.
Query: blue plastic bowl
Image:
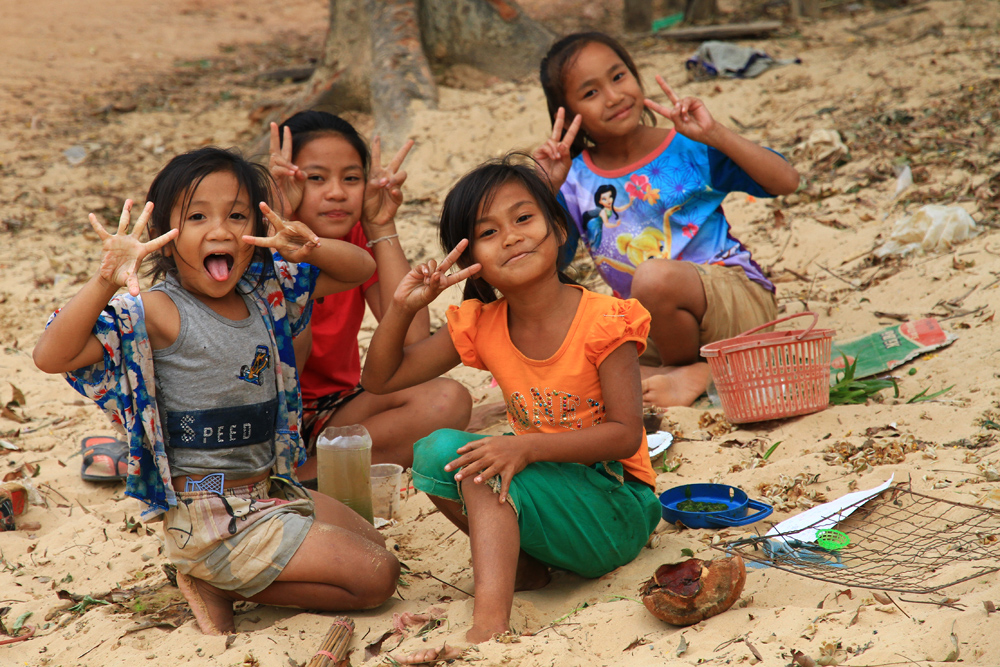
column 736, row 501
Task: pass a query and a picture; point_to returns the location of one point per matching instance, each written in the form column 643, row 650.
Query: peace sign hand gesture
column 553, row 156
column 292, row 239
column 384, row 193
column 290, row 179
column 422, row 284
column 124, row 252
column 689, row 115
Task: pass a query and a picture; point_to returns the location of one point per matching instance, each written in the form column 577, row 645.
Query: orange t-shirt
column 562, row 392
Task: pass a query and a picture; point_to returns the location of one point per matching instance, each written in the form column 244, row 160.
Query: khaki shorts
column 240, row 540
column 734, row 304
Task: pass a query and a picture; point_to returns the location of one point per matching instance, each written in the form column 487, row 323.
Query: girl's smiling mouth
column 519, row 256
column 621, row 113
column 219, row 265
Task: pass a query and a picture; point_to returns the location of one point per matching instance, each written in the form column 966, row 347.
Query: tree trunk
column 374, row 56
column 402, row 78
column 699, row 10
column 638, row 15
column 341, row 80
column 495, row 36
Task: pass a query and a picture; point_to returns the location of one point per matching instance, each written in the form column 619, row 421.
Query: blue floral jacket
column 123, row 383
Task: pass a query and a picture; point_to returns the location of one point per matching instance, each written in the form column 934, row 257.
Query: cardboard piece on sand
column 893, row 346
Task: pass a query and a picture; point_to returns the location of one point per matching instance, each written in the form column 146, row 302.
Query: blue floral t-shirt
column 668, row 205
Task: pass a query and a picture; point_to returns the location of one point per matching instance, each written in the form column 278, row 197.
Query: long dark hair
column 309, row 125
column 607, row 187
column 475, row 191
column 176, row 183
column 560, row 58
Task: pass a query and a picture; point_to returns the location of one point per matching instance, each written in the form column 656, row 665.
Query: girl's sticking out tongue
column 218, row 266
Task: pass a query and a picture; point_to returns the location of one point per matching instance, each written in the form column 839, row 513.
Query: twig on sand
column 53, row 490
column 962, row 313
column 840, row 278
column 445, row 583
column 939, row 603
column 91, row 648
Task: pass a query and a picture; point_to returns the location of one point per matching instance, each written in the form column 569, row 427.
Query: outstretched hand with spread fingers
column 124, row 251
column 689, row 115
column 290, row 179
column 553, row 156
column 422, row 284
column 293, row 240
column 384, row 193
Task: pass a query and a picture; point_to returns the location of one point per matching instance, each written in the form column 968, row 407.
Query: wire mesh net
column 900, row 541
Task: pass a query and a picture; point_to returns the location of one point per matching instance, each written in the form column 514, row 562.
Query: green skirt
column 580, row 518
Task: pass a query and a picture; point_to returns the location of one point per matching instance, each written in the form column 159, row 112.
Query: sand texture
column 129, row 84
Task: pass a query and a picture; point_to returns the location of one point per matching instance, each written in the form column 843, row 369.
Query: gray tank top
column 216, row 390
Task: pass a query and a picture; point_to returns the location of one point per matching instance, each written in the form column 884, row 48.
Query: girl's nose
column 511, row 236
column 335, row 191
column 219, row 230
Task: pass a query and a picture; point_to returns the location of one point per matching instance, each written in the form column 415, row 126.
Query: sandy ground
column 129, row 85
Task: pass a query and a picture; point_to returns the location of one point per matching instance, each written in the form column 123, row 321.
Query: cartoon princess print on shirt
column 596, row 219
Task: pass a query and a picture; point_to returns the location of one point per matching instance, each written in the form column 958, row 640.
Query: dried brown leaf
column 373, row 649
column 803, row 660
column 7, row 413
column 18, row 395
column 753, row 649
column 639, row 641
column 847, row 591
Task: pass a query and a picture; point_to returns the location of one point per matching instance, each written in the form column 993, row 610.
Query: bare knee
column 657, row 280
column 382, row 583
column 451, row 401
column 665, row 287
column 456, row 404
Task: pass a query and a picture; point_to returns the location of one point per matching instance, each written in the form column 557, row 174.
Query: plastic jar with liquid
column 344, row 461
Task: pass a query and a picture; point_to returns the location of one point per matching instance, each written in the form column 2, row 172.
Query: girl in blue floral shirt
column 199, row 371
column 672, row 248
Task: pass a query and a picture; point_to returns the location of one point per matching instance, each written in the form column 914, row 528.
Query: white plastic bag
column 822, row 145
column 931, row 229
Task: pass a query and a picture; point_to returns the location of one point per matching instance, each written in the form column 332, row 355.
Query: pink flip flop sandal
column 104, row 459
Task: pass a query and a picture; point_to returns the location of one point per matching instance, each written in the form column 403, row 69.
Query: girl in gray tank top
column 200, row 373
column 218, row 400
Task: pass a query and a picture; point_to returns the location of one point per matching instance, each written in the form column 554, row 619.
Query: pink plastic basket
column 772, row 375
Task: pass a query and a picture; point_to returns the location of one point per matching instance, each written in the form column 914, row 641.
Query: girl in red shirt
column 331, row 182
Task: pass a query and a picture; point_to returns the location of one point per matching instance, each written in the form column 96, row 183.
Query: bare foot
column 531, row 574
column 478, row 635
column 679, row 385
column 486, row 415
column 212, row 608
column 429, row 656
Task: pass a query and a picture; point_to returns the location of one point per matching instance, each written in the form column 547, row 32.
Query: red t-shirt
column 335, row 363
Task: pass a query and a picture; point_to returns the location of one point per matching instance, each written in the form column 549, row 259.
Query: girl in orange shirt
column 573, row 488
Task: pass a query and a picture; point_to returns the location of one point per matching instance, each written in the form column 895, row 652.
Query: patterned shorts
column 239, row 541
column 318, row 411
